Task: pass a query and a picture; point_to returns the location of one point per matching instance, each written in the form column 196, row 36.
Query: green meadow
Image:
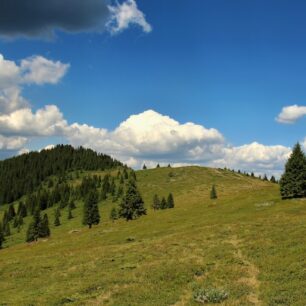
column 248, row 243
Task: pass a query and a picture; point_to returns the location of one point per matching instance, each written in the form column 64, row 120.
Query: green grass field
column 248, row 242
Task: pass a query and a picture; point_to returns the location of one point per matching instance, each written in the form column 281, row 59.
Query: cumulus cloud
column 34, row 70
column 47, row 121
column 34, row 18
column 290, row 114
column 122, row 16
column 12, row 143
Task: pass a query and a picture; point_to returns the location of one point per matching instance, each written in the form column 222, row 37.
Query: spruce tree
column 34, row 227
column 11, row 212
column 57, row 215
column 293, row 181
column 272, row 179
column 132, row 205
column 213, row 192
column 144, row 167
column 70, row 216
column 91, row 210
column 113, row 214
column 7, row 230
column 157, row 166
column 170, row 201
column 44, row 230
column 163, row 203
column 156, row 202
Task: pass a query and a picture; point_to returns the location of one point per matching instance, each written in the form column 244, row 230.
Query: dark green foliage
column 169, row 166
column 163, row 203
column 72, row 205
column 293, row 181
column 156, row 202
column 125, row 174
column 16, row 221
column 144, row 167
column 132, row 205
column 91, row 210
column 170, row 201
column 57, row 215
column 23, row 174
column 5, row 218
column 44, row 230
column 114, row 214
column 213, row 192
column 157, row 166
column 252, row 174
column 133, row 175
column 272, row 179
column 70, row 216
column 6, row 229
column 2, row 239
column 11, row 213
column 265, row 178
column 34, row 227
column 22, row 210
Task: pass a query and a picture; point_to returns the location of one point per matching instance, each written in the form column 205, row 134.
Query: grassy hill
column 248, row 243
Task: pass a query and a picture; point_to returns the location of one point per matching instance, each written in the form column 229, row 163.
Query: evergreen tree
column 7, row 229
column 11, row 213
column 70, row 216
column 163, row 203
column 125, row 174
column 156, row 202
column 34, row 227
column 144, row 167
column 132, row 205
column 22, row 210
column 44, row 230
column 169, row 166
column 2, row 239
column 213, row 192
column 272, row 179
column 72, row 205
column 57, row 215
column 265, row 178
column 157, row 166
column 113, row 214
column 91, row 210
column 170, row 201
column 16, row 221
column 133, row 175
column 293, row 181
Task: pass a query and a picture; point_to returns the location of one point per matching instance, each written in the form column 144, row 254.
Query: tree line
column 23, row 174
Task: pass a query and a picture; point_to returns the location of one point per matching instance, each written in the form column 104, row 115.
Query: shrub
column 210, row 296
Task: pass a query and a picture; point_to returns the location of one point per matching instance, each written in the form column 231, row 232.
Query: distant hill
column 23, row 174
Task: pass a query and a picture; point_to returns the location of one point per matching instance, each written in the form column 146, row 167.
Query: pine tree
column 57, row 215
column 70, row 216
column 133, row 175
column 272, row 179
column 16, row 221
column 113, row 214
column 91, row 210
column 7, row 230
column 44, row 230
column 265, row 178
column 72, row 205
column 156, row 202
column 157, row 166
column 11, row 213
column 170, row 201
column 293, row 181
column 213, row 192
column 2, row 239
column 144, row 167
column 163, row 203
column 132, row 205
column 34, row 227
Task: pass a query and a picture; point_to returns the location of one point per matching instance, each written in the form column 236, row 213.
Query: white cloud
column 290, row 114
column 254, row 157
column 12, row 143
column 125, row 14
column 34, row 70
column 39, row 70
column 47, row 121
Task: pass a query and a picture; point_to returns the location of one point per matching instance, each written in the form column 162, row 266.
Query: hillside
column 248, row 242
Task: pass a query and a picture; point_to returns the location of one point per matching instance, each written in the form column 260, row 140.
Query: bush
column 210, row 296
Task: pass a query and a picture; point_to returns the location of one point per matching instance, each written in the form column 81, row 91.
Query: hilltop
column 248, row 243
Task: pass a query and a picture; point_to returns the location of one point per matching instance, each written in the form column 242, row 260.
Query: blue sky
column 227, row 65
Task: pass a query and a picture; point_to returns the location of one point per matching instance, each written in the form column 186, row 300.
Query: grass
column 247, row 243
